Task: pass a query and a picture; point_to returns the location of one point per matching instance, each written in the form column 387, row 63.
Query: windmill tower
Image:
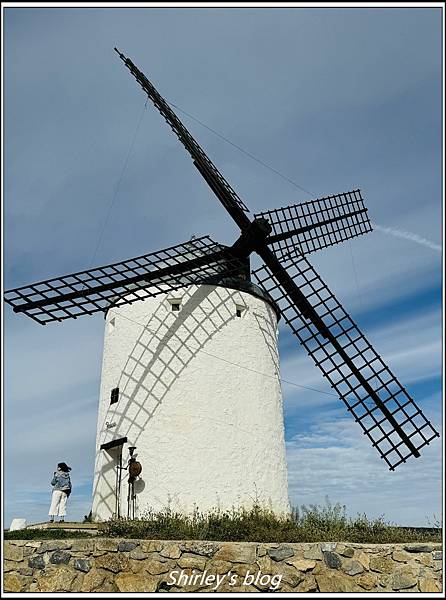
column 190, row 378
column 190, row 408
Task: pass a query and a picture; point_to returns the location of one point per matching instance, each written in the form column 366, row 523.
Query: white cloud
column 408, row 235
column 334, row 459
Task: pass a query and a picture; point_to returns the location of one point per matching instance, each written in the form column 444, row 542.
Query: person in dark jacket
column 61, row 490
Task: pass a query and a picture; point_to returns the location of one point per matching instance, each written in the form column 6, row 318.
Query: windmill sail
column 386, row 413
column 309, row 226
column 211, row 174
column 87, row 292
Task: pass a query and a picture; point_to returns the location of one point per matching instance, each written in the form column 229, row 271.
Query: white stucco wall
column 200, row 398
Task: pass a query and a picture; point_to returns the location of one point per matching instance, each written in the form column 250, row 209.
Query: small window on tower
column 175, row 303
column 114, row 396
column 239, row 310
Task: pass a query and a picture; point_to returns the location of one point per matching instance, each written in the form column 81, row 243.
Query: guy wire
column 117, row 313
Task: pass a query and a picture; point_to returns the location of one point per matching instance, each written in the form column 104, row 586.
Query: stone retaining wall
column 113, row 565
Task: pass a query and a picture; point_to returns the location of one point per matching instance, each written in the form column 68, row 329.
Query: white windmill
column 190, row 410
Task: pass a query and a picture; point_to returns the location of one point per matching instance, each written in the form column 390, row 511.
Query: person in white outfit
column 61, row 490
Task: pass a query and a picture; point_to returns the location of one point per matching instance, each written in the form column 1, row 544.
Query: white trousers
column 58, row 506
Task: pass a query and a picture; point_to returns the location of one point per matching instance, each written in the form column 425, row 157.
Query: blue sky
column 335, row 99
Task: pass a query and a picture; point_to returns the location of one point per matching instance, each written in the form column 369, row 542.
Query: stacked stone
column 111, row 565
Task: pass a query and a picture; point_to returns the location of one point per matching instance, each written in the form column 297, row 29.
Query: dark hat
column 64, row 467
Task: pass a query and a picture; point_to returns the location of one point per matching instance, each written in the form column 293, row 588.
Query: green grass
column 44, row 534
column 309, row 524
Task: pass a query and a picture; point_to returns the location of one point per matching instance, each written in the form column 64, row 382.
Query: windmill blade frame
column 306, row 227
column 225, row 193
column 389, row 417
column 95, row 290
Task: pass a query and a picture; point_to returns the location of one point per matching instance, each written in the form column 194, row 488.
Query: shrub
column 309, row 524
column 88, row 518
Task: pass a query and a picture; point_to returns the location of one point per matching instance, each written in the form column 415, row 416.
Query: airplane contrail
column 407, row 235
